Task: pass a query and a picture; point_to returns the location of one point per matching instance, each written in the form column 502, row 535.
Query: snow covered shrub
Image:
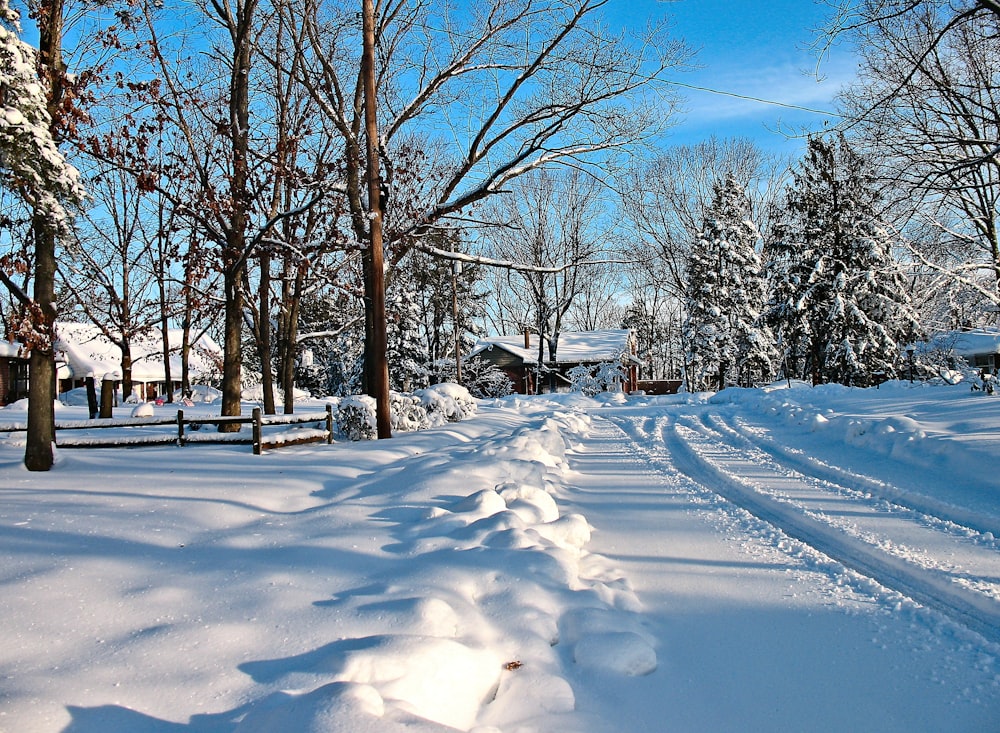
column 446, row 403
column 356, row 417
column 485, row 379
column 594, row 380
column 407, row 412
column 936, row 359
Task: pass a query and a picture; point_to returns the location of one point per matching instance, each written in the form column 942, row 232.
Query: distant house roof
column 87, row 351
column 575, row 347
column 976, row 341
column 10, row 349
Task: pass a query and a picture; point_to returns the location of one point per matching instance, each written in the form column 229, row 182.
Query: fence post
column 256, row 431
column 329, row 423
column 180, row 428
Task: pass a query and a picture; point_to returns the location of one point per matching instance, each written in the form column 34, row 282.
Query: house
column 13, row 372
column 518, row 356
column 82, row 351
column 980, row 347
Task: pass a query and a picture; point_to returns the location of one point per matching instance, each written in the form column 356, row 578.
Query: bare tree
column 547, row 219
column 110, row 269
column 505, row 87
column 665, row 199
column 927, row 108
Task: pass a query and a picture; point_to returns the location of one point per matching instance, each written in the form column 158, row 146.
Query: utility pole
column 376, row 359
column 456, row 270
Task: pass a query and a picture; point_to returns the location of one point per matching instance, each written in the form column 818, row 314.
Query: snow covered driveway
column 789, row 593
column 926, row 557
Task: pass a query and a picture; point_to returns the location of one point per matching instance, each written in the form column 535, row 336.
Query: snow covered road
column 925, row 557
column 778, row 595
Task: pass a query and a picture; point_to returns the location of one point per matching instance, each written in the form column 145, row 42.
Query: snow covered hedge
column 437, row 405
column 446, row 403
column 407, row 412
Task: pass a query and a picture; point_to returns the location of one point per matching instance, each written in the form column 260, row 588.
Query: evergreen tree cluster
column 820, row 297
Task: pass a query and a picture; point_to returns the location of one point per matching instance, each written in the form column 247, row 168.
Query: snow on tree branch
column 30, row 161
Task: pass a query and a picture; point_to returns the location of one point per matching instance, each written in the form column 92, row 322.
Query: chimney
column 527, row 338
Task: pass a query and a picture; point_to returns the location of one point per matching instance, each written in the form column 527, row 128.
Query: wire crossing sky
column 756, row 74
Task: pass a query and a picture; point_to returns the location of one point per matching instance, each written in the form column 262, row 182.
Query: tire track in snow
column 936, row 544
column 712, row 464
column 859, row 482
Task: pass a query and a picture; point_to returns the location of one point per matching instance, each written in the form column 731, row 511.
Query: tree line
column 371, row 182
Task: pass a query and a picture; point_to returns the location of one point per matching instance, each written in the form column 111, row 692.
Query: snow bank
column 431, row 407
column 474, row 630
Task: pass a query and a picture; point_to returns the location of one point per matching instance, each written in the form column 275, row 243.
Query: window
column 18, row 380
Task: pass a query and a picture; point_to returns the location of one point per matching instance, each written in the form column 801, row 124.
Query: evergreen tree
column 30, row 162
column 331, row 328
column 406, row 352
column 839, row 301
column 725, row 339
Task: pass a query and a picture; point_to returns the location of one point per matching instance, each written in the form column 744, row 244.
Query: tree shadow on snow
column 106, row 718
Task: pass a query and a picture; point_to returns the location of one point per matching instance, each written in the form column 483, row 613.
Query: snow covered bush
column 446, row 403
column 437, row 405
column 356, row 417
column 485, row 379
column 594, row 380
column 407, row 412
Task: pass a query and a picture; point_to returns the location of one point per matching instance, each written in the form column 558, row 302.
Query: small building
column 13, row 372
column 980, row 347
column 82, row 350
column 518, row 356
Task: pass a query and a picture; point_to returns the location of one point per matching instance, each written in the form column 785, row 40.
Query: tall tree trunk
column 376, row 359
column 235, row 254
column 186, row 352
column 127, row 384
column 38, row 454
column 264, row 333
column 291, row 335
column 161, row 282
column 232, row 348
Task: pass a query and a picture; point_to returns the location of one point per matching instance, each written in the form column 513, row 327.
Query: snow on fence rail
column 188, row 430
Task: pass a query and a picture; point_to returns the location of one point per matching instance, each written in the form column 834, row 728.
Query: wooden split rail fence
column 189, row 430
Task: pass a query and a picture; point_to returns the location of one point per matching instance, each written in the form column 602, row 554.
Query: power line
column 749, row 98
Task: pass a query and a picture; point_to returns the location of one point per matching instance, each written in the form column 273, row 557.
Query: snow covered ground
column 790, row 560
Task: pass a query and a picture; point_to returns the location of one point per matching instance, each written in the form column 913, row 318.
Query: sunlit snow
column 756, row 560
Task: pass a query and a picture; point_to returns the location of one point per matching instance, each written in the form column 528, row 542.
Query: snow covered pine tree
column 839, row 301
column 32, row 167
column 726, row 341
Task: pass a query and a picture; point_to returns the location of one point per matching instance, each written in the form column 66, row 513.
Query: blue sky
column 756, row 48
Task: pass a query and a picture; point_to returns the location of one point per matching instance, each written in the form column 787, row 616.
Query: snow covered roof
column 976, row 341
column 9, row 348
column 86, row 350
column 574, row 346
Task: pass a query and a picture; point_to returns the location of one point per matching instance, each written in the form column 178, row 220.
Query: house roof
column 574, row 346
column 976, row 341
column 11, row 348
column 87, row 351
